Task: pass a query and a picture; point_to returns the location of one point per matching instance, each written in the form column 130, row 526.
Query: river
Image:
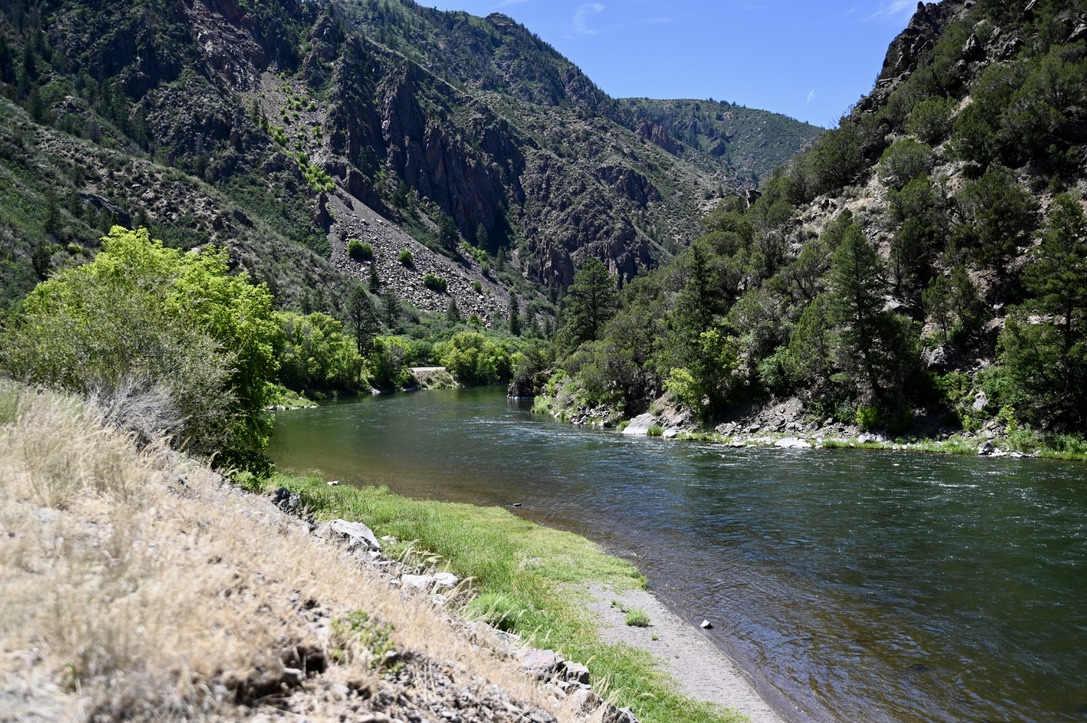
column 856, row 586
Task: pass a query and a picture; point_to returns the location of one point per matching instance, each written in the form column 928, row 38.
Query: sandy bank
column 702, row 670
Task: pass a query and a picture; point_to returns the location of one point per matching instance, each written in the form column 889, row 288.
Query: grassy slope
column 528, row 579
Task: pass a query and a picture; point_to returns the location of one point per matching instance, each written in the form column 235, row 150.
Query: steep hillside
column 303, row 125
column 755, row 141
column 923, row 267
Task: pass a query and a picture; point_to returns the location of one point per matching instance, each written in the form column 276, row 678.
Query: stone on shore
column 639, row 426
column 357, row 535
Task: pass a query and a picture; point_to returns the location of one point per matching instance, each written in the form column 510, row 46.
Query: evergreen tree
column 997, row 218
column 515, row 316
column 589, row 304
column 452, row 314
column 363, row 317
column 856, row 303
column 1045, row 361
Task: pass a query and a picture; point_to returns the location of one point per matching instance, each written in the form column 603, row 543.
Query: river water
column 856, row 586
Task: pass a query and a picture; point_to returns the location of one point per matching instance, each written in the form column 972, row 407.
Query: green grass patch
column 525, row 578
column 637, row 618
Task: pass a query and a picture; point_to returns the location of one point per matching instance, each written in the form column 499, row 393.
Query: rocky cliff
column 472, row 136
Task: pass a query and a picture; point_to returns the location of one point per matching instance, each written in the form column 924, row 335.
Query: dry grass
column 138, row 584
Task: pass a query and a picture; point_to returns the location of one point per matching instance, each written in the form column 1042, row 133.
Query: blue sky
column 810, row 60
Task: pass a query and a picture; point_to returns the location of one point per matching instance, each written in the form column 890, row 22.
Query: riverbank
column 538, row 583
column 784, row 425
column 140, row 584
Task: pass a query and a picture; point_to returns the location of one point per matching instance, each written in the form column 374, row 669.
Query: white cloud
column 581, row 17
column 894, row 10
column 811, row 97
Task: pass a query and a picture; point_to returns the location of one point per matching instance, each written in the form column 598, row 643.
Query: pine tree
column 363, row 318
column 515, row 316
column 589, row 304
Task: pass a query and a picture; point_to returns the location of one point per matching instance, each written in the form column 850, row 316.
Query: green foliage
column 867, row 418
column 362, row 318
column 903, row 161
column 998, row 216
column 588, row 305
column 637, row 618
column 930, row 119
column 435, row 283
column 317, row 355
column 146, row 321
column 655, row 431
column 474, row 359
column 360, row 250
column 405, row 258
column 1044, row 358
column 361, row 634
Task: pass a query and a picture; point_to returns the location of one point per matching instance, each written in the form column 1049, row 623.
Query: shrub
column 405, row 258
column 149, row 325
column 637, row 618
column 435, row 283
column 359, row 250
column 867, row 418
column 655, row 431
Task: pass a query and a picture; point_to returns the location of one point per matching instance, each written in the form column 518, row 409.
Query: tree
column 363, row 318
column 1057, row 275
column 918, row 209
column 145, row 322
column 877, row 347
column 448, row 235
column 452, row 314
column 589, row 303
column 317, row 355
column 997, row 217
column 1044, row 359
column 391, row 307
column 515, row 316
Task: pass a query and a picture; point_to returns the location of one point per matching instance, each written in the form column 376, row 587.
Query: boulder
column 639, row 426
column 357, row 535
column 792, row 443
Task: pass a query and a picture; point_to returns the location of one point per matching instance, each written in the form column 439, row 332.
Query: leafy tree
column 150, row 321
column 903, row 161
column 589, row 303
column 474, row 359
column 317, row 355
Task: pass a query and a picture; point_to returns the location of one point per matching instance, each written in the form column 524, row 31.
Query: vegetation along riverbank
column 141, row 583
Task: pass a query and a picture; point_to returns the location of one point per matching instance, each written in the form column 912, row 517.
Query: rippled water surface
column 859, row 586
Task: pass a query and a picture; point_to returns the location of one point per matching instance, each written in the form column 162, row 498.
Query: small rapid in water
column 856, row 586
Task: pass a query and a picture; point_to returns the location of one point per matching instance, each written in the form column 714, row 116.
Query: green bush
column 931, row 119
column 359, row 250
column 435, row 283
column 156, row 333
column 637, row 618
column 655, row 431
column 867, row 418
column 405, row 258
